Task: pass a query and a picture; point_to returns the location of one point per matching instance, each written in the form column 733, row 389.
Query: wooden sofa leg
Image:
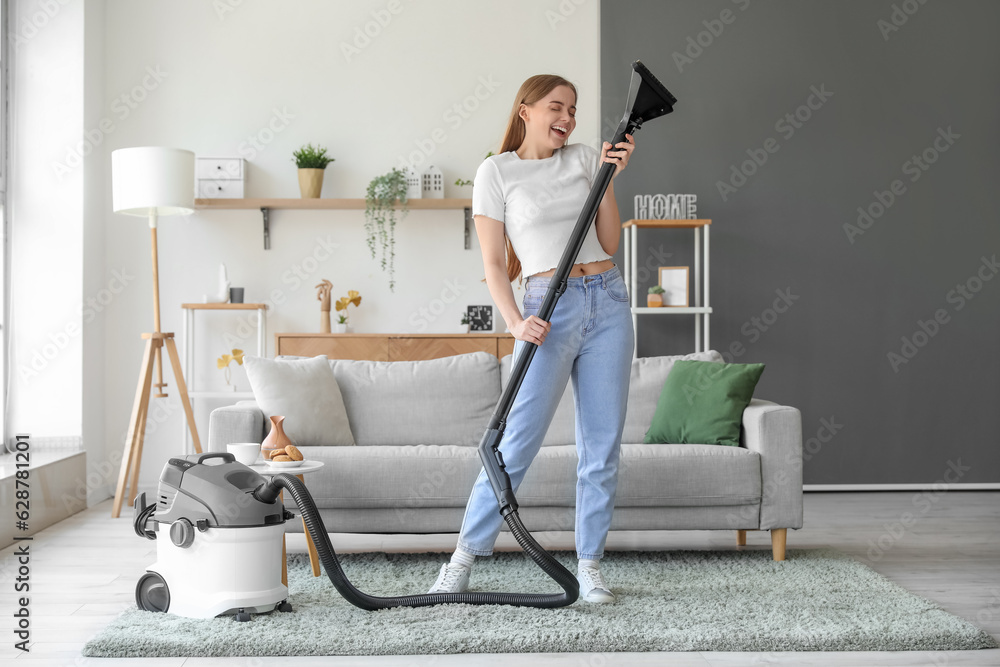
column 778, row 543
column 741, row 538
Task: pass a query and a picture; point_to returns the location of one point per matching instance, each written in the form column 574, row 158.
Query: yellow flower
column 238, row 356
column 223, row 361
column 353, row 296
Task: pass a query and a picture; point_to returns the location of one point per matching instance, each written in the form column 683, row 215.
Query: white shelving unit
column 701, row 308
column 188, row 353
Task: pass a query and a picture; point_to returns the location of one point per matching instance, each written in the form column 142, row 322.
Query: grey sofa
column 417, row 425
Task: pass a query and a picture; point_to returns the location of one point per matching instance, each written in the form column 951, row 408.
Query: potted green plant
column 380, row 208
column 311, row 163
column 464, row 326
column 655, row 297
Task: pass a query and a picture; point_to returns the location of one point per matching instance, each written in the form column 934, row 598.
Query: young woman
column 526, row 201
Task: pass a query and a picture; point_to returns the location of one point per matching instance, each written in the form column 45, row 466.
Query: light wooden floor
column 84, row 569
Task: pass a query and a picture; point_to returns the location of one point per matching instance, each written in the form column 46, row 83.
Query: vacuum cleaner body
column 218, row 549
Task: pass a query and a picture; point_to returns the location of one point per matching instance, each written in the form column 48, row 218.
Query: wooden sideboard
column 391, row 347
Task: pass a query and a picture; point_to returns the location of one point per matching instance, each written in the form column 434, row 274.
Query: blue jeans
column 592, row 341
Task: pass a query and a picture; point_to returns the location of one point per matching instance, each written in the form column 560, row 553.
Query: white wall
column 219, row 78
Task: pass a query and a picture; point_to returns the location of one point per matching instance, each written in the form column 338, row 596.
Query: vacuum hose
column 268, row 493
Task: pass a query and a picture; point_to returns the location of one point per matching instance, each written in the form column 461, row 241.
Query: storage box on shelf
column 220, row 177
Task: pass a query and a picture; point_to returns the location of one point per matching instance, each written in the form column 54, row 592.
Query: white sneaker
column 454, row 578
column 592, row 586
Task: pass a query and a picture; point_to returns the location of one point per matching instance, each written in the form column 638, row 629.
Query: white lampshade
column 152, row 180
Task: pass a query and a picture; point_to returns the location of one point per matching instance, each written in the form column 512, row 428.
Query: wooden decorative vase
column 276, row 439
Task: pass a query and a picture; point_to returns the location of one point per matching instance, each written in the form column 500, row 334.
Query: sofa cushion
column 409, row 477
column 446, row 401
column 306, row 393
column 648, row 376
column 704, row 402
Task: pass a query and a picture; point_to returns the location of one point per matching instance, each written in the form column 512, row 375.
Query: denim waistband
column 604, row 276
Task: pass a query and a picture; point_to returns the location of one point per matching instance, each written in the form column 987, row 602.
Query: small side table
column 265, row 470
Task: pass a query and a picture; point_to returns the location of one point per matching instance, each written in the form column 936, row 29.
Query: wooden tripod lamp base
column 147, row 182
column 132, row 455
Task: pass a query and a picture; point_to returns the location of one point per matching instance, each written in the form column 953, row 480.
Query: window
column 4, row 80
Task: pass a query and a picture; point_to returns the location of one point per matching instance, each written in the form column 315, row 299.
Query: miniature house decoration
column 433, row 183
column 414, row 188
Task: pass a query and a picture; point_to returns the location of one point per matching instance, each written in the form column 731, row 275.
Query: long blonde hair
column 533, row 89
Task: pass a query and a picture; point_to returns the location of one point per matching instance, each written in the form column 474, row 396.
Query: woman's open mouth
column 559, row 131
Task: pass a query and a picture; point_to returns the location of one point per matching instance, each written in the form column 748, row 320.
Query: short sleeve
column 487, row 192
column 592, row 160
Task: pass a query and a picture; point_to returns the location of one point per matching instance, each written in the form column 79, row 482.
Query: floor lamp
column 151, row 181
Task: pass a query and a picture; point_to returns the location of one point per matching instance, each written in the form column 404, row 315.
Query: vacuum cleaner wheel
column 151, row 593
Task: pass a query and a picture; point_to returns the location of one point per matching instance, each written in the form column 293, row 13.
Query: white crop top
column 539, row 202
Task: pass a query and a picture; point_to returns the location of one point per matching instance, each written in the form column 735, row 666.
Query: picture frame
column 675, row 281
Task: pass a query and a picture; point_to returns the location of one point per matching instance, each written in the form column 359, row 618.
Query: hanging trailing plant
column 380, row 207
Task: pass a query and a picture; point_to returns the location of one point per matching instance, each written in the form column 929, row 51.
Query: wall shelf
column 700, row 310
column 266, row 205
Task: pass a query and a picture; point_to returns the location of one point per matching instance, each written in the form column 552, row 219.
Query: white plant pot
column 339, row 328
column 462, row 328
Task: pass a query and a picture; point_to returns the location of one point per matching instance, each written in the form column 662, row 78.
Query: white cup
column 245, row 452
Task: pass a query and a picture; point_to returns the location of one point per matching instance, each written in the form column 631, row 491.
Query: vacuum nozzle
column 651, row 99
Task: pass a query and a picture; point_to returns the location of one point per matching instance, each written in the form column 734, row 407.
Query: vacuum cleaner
column 225, row 523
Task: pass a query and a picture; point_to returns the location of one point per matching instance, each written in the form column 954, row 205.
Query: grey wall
column 934, row 417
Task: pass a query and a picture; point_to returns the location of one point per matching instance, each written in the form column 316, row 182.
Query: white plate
column 285, row 464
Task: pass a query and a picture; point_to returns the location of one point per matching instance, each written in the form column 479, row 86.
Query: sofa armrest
column 243, row 422
column 775, row 432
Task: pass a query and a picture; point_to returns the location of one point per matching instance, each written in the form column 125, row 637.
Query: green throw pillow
column 702, row 402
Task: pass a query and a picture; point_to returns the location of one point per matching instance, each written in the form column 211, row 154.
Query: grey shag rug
column 816, row 600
